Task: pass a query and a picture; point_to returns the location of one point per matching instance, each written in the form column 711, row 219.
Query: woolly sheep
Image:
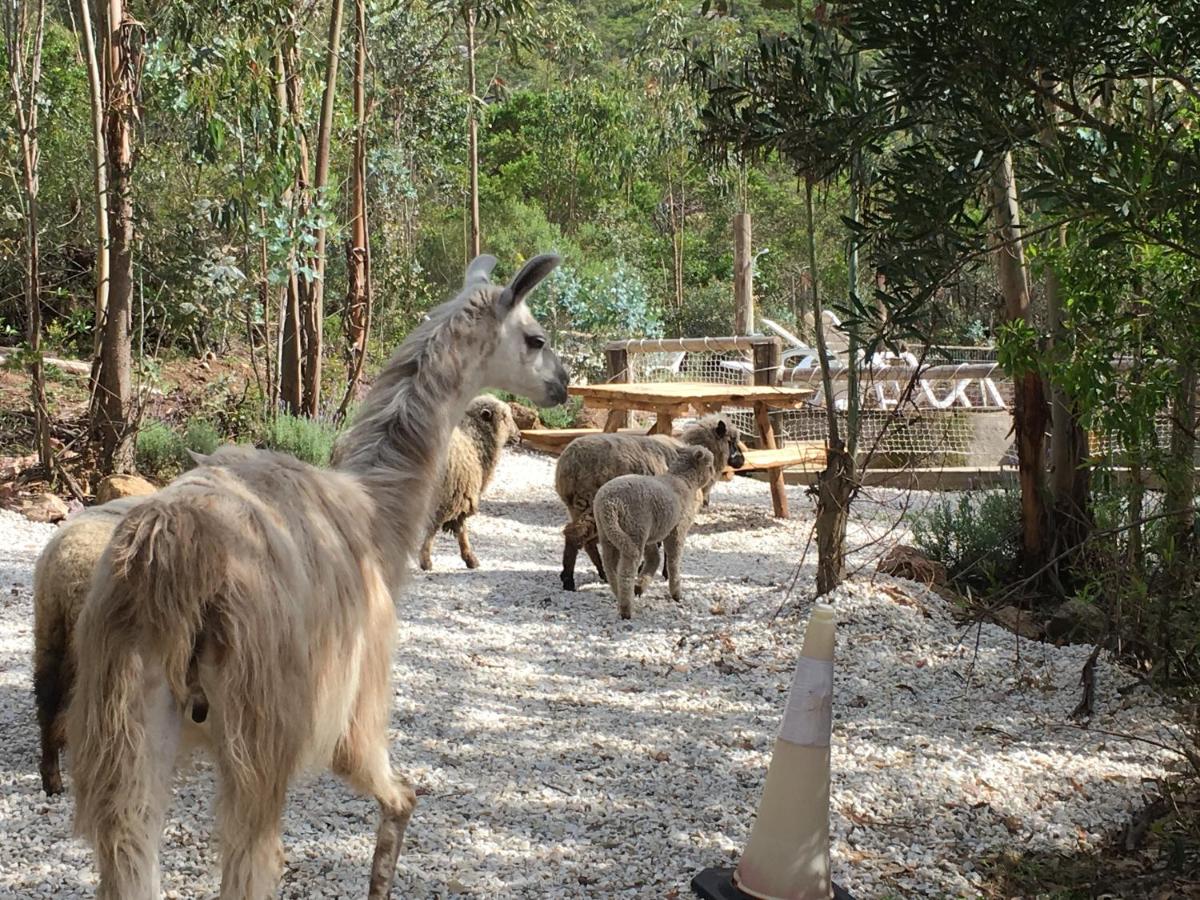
column 633, row 513
column 474, row 450
column 593, row 460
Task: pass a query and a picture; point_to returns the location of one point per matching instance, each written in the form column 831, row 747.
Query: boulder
column 1017, row 621
column 1077, row 622
column 113, row 487
column 526, row 417
column 44, row 508
column 587, row 417
column 903, row 561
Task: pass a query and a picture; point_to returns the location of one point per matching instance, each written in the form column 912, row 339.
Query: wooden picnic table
column 678, row 398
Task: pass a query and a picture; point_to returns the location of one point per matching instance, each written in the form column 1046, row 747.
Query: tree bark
column 294, row 294
column 100, row 191
column 743, row 275
column 358, row 255
column 313, row 311
column 122, row 67
column 24, row 95
column 835, row 483
column 472, row 133
column 1029, row 406
column 1180, row 494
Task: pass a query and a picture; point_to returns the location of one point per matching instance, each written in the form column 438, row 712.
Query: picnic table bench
column 680, row 398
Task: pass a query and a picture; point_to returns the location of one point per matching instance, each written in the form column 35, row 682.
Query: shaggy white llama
column 271, row 584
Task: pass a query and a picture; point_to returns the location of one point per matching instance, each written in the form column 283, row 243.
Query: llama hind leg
column 50, row 689
column 363, row 763
column 648, row 570
column 249, row 817
column 426, row 557
column 464, row 545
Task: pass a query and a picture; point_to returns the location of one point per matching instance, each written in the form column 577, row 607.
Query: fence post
column 617, row 357
column 768, row 354
column 743, row 276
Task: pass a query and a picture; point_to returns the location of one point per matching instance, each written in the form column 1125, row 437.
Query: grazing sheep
column 591, row 461
column 274, row 585
column 634, row 513
column 475, row 447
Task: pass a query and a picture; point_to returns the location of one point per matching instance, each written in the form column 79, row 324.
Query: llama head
column 521, row 360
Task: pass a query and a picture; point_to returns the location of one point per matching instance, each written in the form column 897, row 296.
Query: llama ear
column 527, row 279
column 721, row 428
column 480, row 269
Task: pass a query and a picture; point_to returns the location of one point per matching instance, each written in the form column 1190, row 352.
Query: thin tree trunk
column 358, row 256
column 472, row 132
column 290, row 381
column 24, row 95
column 835, row 483
column 1029, row 406
column 100, row 190
column 1180, row 495
column 314, row 309
column 121, row 77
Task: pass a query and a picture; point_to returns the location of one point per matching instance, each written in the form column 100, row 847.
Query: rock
column 44, row 508
column 590, row 418
column 1017, row 621
column 525, row 416
column 1077, row 622
column 903, row 561
column 114, row 487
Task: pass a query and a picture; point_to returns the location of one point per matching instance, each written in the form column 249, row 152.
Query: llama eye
column 535, row 341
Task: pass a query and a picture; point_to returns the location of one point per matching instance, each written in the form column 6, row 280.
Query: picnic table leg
column 664, row 421
column 762, row 417
column 615, row 420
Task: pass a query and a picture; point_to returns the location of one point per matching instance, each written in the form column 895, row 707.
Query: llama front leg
column 673, row 547
column 464, row 545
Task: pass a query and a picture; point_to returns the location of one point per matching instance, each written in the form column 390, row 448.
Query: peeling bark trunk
column 1029, row 407
column 100, row 192
column 472, row 134
column 122, row 68
column 294, row 296
column 358, row 253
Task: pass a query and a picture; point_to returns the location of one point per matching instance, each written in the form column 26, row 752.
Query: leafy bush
column 975, row 536
column 563, row 415
column 201, row 437
column 309, row 440
column 159, row 451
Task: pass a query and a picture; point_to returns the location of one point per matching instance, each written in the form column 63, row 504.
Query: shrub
column 309, row 440
column 159, row 451
column 975, row 536
column 200, row 437
column 562, row 416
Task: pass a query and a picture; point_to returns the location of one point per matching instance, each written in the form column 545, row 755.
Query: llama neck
column 399, row 440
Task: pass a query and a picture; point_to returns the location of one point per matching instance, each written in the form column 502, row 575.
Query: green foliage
column 201, row 437
column 975, row 536
column 562, row 416
column 309, row 440
column 159, row 451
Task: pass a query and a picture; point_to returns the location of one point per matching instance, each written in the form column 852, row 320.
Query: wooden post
column 618, row 373
column 743, row 276
column 767, row 354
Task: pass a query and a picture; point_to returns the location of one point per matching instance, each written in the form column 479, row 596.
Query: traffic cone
column 787, row 857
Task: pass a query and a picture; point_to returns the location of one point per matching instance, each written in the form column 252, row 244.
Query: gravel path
column 564, row 753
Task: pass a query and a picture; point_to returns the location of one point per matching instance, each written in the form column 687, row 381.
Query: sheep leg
column 464, row 545
column 593, row 552
column 673, row 546
column 570, row 554
column 649, row 567
column 611, row 558
column 426, row 558
column 50, row 687
column 664, row 564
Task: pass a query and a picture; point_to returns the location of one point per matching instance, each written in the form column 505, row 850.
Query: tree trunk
column 294, row 299
column 472, row 133
column 743, row 275
column 313, row 312
column 100, row 192
column 122, row 68
column 24, row 95
column 835, row 483
column 358, row 256
column 1180, row 495
column 1029, row 406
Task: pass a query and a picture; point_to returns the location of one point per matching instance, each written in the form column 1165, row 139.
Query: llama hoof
column 426, row 565
column 52, row 783
column 568, row 583
column 637, row 591
column 677, row 597
column 472, row 562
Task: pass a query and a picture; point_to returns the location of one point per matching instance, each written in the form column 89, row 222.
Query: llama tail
column 136, row 637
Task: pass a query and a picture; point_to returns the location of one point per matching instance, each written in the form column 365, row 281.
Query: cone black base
column 717, row 884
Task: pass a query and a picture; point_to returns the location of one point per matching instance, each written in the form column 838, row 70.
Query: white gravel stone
column 562, row 752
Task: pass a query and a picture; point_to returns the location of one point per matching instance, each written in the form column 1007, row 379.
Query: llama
column 634, row 513
column 271, row 584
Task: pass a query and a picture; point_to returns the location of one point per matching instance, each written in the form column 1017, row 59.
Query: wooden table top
column 677, row 393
